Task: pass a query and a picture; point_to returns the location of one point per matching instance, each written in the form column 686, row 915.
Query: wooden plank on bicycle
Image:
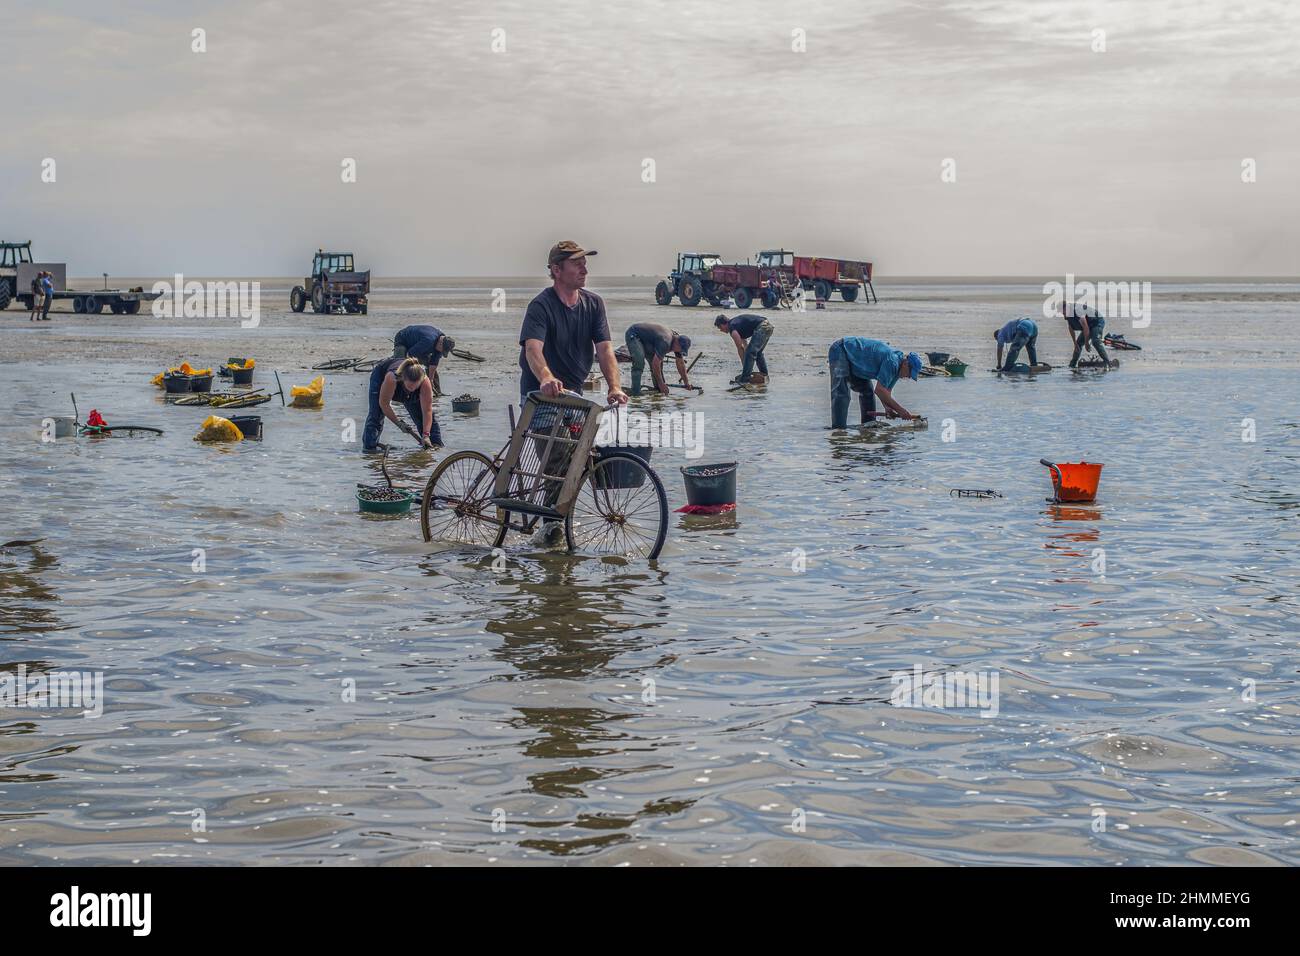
column 549, row 452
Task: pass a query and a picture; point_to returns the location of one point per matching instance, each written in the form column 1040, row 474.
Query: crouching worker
column 1017, row 334
column 750, row 333
column 426, row 343
column 856, row 362
column 403, row 380
column 1087, row 326
column 650, row 340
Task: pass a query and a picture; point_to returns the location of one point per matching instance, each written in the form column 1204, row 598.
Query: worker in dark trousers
column 855, row 362
column 649, row 340
column 402, row 380
column 47, row 286
column 1017, row 334
column 426, row 343
column 750, row 334
column 1087, row 326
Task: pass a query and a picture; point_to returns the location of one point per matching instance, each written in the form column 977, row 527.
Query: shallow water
column 522, row 696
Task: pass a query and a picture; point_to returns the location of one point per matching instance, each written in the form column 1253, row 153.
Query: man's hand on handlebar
column 551, row 386
column 616, row 396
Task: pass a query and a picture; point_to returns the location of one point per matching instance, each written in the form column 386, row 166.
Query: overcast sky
column 470, row 162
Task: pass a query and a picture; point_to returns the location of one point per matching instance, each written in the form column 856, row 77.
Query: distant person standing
column 750, row 334
column 426, row 343
column 47, row 289
column 649, row 340
column 1017, row 334
column 1086, row 326
column 38, row 296
column 856, row 362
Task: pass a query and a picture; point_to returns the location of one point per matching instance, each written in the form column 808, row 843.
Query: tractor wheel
column 5, row 295
column 744, row 298
column 849, row 292
column 79, row 305
column 298, row 298
column 770, row 298
column 663, row 293
column 94, row 305
column 822, row 289
column 318, row 298
column 692, row 291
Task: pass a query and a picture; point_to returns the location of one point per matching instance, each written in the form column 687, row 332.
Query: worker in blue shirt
column 1018, row 334
column 855, row 363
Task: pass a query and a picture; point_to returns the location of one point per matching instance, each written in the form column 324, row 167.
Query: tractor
column 12, row 255
column 334, row 286
column 692, row 280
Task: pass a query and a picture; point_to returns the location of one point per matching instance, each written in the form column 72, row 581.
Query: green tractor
column 333, row 286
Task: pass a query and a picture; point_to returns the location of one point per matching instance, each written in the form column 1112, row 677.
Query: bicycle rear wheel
column 457, row 501
column 621, row 509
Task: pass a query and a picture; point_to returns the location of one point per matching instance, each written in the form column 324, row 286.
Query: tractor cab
column 331, row 262
column 14, row 254
column 697, row 262
column 775, row 258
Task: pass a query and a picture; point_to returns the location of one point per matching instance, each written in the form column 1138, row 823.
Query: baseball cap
column 684, row 342
column 915, row 364
column 567, row 249
column 448, row 343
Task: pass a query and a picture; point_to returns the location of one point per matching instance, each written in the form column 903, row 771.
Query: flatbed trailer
column 17, row 269
column 118, row 301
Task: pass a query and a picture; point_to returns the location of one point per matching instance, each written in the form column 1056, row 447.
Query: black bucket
column 938, row 358
column 175, row 384
column 242, row 376
column 201, row 383
column 710, row 484
column 250, row 425
column 620, row 474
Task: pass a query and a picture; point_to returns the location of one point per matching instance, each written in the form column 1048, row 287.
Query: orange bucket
column 1074, row 481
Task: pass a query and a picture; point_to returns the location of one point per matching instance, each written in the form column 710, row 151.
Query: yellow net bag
column 216, row 428
column 309, row 396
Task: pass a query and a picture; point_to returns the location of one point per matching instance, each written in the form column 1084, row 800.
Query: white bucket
column 65, row 426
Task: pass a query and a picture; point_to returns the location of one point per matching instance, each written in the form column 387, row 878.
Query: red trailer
column 820, row 275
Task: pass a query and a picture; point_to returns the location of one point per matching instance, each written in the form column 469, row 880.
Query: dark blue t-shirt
column 745, row 324
column 568, row 337
column 420, row 341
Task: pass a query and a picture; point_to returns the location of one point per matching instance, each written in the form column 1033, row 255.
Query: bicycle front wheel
column 621, row 509
column 457, row 501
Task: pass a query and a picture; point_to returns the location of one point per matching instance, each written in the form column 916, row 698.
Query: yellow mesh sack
column 309, row 396
column 216, row 428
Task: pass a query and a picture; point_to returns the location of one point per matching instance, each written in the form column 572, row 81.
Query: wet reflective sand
column 727, row 705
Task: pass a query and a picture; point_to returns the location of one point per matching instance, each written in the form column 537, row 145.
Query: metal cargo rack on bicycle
column 609, row 501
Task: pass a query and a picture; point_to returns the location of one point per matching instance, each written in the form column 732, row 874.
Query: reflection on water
column 328, row 688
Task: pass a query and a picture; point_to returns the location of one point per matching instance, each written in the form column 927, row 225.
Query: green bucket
column 953, row 367
column 387, row 507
